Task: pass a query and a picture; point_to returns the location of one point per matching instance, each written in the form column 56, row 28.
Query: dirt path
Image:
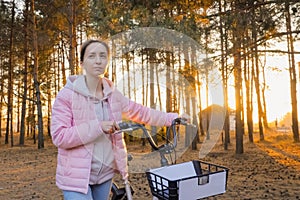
column 267, row 170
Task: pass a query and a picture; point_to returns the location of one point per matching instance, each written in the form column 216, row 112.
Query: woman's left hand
column 109, row 127
column 186, row 117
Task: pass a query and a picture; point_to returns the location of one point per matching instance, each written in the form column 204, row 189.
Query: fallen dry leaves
column 268, row 169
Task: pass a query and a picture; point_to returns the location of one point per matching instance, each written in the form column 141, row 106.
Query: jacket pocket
column 63, row 165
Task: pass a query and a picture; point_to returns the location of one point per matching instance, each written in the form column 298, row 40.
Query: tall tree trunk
column 238, row 99
column 208, row 114
column 33, row 126
column 9, row 122
column 143, row 81
column 187, row 98
column 113, row 63
column 249, row 110
column 194, row 129
column 168, row 83
column 158, row 87
column 227, row 70
column 193, row 84
column 72, row 36
column 292, row 71
column 263, row 98
column 24, row 97
column 207, row 69
column 30, row 110
column 143, row 90
column 63, row 65
column 258, row 93
column 36, row 80
column 49, row 111
column 127, row 60
column 151, row 60
column 57, row 72
column 133, row 69
column 18, row 103
column 49, row 80
column 178, row 90
column 237, row 34
column 200, row 117
column 224, row 71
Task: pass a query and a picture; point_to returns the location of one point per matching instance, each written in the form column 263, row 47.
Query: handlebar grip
column 123, row 125
column 129, row 125
column 181, row 121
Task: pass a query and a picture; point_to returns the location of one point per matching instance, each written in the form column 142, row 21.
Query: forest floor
column 268, row 169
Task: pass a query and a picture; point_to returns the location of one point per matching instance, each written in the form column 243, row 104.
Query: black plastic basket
column 207, row 179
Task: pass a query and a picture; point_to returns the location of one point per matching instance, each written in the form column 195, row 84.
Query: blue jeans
column 95, row 192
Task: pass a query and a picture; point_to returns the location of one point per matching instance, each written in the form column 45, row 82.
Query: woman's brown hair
column 87, row 43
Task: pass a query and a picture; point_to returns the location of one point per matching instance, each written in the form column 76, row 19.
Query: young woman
column 84, row 117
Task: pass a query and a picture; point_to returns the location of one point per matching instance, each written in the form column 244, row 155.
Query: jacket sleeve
column 64, row 133
column 142, row 114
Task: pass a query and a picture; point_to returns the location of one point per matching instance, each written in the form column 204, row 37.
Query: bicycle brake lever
column 122, row 130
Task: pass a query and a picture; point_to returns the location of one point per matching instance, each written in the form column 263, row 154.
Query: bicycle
column 163, row 185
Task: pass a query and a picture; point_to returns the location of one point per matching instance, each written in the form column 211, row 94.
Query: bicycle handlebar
column 168, row 147
column 129, row 126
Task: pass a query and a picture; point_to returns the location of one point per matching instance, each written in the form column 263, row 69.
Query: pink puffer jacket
column 75, row 127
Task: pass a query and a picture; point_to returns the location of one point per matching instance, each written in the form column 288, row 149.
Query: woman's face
column 95, row 59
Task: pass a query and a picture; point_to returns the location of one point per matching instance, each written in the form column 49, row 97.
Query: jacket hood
column 77, row 83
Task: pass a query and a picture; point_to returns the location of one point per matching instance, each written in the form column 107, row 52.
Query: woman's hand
column 109, row 127
column 185, row 117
